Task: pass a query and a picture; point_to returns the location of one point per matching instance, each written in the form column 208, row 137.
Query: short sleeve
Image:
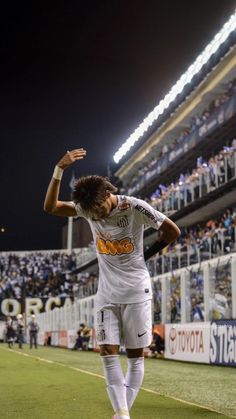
column 146, row 214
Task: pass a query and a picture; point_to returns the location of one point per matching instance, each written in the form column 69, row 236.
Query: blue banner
column 223, row 343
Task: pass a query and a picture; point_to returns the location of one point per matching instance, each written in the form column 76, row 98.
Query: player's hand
column 71, row 157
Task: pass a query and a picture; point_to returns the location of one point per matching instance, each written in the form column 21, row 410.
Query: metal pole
column 69, row 234
column 233, row 285
column 206, row 285
column 183, row 283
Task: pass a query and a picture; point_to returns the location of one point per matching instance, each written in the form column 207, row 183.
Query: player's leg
column 31, row 340
column 137, row 329
column 134, row 375
column 108, row 338
column 20, row 341
column 115, row 380
column 35, row 340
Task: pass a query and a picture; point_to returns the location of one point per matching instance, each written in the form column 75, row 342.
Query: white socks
column 115, row 385
column 134, row 379
column 120, row 417
column 122, row 393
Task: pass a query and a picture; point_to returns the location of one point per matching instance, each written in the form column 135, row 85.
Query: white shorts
column 128, row 324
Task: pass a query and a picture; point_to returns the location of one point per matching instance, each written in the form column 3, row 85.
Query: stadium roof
column 214, row 48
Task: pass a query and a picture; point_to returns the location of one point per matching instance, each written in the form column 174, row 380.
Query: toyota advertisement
column 210, row 342
column 188, row 342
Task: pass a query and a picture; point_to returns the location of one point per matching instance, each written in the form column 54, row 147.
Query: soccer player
column 123, row 300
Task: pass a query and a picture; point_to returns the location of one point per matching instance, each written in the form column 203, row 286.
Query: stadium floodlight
column 186, row 78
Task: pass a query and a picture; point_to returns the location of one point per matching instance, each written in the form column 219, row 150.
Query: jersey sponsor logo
column 123, row 221
column 145, row 212
column 115, row 247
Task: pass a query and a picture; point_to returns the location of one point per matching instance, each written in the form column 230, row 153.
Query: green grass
column 33, row 388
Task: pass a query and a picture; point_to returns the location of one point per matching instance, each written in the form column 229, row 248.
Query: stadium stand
column 36, row 274
column 169, row 151
column 193, row 280
column 203, row 179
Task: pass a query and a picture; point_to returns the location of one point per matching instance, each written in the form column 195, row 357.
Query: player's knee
column 135, row 353
column 109, row 350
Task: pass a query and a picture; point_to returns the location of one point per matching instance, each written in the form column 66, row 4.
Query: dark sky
column 83, row 74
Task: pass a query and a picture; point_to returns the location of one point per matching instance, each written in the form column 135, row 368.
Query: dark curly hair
column 90, row 191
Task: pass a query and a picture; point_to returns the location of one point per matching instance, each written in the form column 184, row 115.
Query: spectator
column 219, row 304
column 83, row 337
column 197, row 314
column 33, row 331
column 20, row 330
column 10, row 332
column 157, row 346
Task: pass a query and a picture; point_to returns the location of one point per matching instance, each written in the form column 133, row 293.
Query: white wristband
column 58, row 172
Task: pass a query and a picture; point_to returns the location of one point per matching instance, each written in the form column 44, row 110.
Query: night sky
column 83, row 76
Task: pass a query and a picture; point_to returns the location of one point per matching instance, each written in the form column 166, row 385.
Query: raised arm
column 51, row 203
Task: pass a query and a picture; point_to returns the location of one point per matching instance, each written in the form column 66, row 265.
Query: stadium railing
column 184, row 194
column 187, row 255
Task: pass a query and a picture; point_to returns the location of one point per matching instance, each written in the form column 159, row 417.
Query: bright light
column 186, row 78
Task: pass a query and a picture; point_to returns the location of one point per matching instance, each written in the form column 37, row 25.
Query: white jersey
column 123, row 275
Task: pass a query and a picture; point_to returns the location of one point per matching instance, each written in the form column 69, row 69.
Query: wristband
column 58, row 172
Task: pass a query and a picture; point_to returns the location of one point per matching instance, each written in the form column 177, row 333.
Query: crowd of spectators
column 217, row 236
column 220, row 295
column 85, row 285
column 44, row 275
column 195, row 122
column 36, row 274
column 201, row 242
column 207, row 176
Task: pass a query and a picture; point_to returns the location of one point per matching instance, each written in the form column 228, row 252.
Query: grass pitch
column 51, row 383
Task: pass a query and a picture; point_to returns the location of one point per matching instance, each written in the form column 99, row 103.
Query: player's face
column 104, row 209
